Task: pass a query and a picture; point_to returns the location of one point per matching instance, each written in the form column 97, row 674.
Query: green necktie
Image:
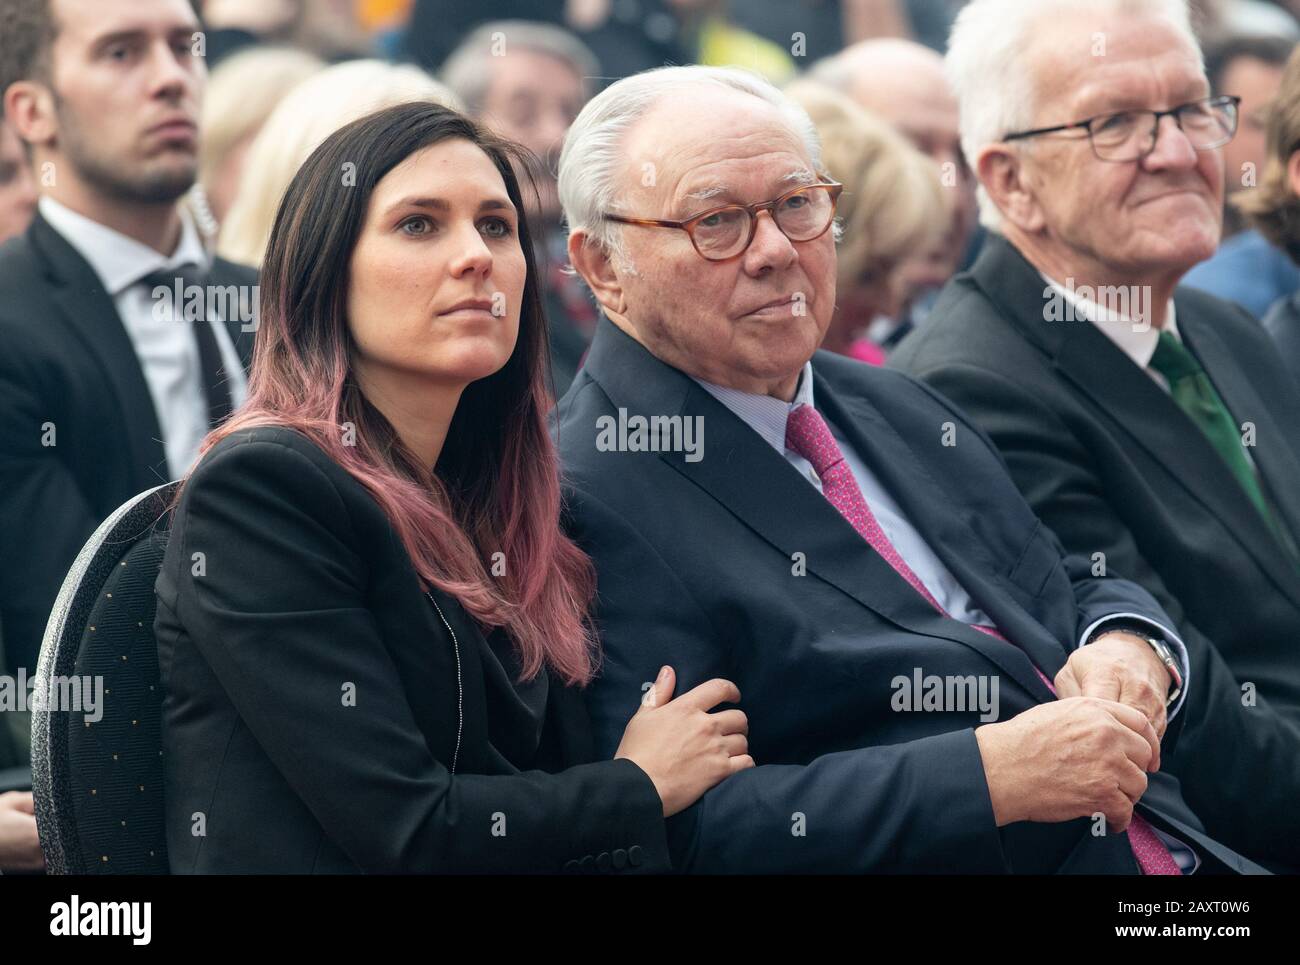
column 1195, row 395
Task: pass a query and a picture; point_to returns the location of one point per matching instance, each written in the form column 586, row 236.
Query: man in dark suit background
column 837, row 540
column 107, row 384
column 1152, row 427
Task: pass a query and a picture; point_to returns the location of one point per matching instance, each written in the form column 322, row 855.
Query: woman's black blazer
column 319, row 717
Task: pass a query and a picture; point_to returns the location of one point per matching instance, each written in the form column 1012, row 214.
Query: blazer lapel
column 91, row 315
column 759, row 487
column 1150, row 417
column 947, row 532
column 1277, row 464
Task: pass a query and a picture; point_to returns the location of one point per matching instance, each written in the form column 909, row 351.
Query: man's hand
column 1069, row 759
column 20, row 848
column 1121, row 667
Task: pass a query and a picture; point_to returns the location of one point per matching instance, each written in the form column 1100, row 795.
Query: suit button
column 635, row 855
column 620, row 859
column 571, row 866
column 603, row 862
column 588, row 863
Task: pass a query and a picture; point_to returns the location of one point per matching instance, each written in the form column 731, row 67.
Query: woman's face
column 437, row 275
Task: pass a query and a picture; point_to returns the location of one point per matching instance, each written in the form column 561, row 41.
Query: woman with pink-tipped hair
column 372, row 631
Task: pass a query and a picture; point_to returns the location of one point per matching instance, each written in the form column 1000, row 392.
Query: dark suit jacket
column 1113, row 466
column 315, row 704
column 67, row 362
column 1282, row 321
column 698, row 567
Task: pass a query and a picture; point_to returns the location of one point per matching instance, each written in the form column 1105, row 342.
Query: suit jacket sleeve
column 44, row 516
column 1054, row 471
column 279, row 614
column 912, row 807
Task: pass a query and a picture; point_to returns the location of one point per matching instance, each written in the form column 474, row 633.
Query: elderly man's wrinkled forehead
column 1088, row 63
column 707, row 147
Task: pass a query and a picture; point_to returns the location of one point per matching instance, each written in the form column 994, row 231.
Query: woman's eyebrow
column 441, row 204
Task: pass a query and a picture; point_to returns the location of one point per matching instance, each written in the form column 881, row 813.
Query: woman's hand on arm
column 684, row 749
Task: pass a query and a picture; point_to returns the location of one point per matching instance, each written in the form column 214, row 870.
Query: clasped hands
column 1089, row 752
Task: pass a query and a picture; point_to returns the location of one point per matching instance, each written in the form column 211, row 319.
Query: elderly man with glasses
column 931, row 686
column 1151, row 426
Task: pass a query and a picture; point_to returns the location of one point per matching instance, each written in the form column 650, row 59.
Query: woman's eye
column 420, row 221
column 498, row 228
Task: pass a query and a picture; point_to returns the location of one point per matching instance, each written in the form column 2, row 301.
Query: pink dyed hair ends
column 496, row 486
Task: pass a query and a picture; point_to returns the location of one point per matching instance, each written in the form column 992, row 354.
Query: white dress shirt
column 767, row 416
column 167, row 350
column 1138, row 342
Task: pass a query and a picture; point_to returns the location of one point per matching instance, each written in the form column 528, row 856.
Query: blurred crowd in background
column 283, row 75
column 286, row 73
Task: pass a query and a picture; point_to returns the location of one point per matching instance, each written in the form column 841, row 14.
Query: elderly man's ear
column 1001, row 171
column 597, row 270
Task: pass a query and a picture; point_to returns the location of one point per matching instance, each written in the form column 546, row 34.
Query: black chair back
column 97, row 774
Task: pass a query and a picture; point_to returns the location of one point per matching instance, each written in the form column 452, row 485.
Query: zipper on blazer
column 460, row 691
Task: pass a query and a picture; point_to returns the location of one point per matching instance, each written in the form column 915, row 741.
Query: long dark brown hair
column 495, row 488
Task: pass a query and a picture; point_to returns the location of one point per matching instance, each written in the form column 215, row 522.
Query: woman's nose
column 472, row 253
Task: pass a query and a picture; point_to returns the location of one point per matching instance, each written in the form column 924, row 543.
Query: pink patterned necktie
column 807, row 434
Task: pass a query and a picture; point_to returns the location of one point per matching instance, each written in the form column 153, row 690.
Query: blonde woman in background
column 892, row 211
column 304, row 118
column 242, row 93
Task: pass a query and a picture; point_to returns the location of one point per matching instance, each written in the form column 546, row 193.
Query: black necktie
column 216, row 388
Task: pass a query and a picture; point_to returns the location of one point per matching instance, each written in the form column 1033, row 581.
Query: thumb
column 662, row 690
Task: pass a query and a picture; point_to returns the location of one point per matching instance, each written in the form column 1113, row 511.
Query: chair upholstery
column 97, row 784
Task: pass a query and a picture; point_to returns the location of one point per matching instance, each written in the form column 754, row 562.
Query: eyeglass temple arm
column 645, row 221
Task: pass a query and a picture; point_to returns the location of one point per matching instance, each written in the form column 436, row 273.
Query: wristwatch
column 1163, row 651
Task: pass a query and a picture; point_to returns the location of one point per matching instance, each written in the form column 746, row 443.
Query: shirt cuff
column 1157, row 630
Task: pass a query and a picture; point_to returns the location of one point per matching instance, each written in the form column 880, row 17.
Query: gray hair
column 989, row 73
column 592, row 159
column 466, row 71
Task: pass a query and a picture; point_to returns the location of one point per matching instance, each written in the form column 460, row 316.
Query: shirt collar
column 762, row 413
column 120, row 261
column 1139, row 344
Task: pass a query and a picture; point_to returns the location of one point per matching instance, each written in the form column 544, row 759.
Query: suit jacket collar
column 118, row 260
column 757, row 485
column 1105, row 375
column 90, row 313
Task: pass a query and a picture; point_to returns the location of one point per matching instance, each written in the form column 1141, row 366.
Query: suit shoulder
column 1282, row 322
column 20, row 271
column 966, row 328
column 1226, row 315
column 269, row 451
column 232, row 273
column 573, row 420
